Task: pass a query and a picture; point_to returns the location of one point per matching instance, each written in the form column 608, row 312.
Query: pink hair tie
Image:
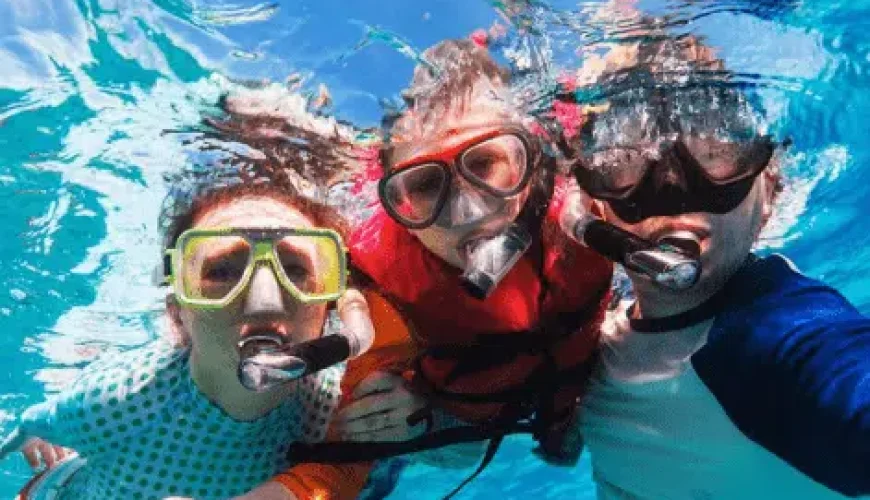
column 480, row 38
column 570, row 116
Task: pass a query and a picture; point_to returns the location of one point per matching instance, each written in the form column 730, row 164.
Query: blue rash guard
column 771, row 399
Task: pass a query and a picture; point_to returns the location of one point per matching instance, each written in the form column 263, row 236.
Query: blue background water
column 87, row 86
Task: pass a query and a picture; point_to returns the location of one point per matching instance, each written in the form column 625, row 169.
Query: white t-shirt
column 655, row 431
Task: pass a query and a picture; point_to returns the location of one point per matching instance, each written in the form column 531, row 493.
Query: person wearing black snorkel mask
column 752, row 382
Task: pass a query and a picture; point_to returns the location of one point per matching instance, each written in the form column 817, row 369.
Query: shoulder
column 108, row 401
column 390, row 327
column 393, row 348
column 773, row 289
column 774, row 320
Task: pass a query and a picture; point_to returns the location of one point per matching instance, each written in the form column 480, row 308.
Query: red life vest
column 472, row 351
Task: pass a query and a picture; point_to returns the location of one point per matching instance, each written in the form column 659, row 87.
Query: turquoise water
column 88, row 86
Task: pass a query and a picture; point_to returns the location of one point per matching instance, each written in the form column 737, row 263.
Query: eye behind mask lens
column 646, row 202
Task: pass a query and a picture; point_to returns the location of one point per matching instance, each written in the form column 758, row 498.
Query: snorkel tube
column 672, row 262
column 490, row 259
column 266, row 362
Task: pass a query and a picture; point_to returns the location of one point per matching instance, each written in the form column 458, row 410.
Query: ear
column 173, row 312
column 770, row 180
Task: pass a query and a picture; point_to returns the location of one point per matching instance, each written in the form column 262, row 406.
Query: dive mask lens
column 312, row 265
column 414, row 194
column 214, row 267
column 614, row 171
column 725, row 162
column 689, row 174
column 499, row 164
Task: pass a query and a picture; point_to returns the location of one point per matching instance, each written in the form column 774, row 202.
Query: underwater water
column 89, row 87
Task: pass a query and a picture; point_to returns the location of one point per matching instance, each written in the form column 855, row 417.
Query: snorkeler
column 249, row 263
column 505, row 308
column 753, row 382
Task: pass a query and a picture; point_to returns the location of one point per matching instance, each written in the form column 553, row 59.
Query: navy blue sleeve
column 790, row 365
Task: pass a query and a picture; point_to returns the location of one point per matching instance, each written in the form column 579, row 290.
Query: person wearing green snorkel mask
column 245, row 262
column 753, row 381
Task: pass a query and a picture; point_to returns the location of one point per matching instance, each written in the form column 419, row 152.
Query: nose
column 670, row 175
column 465, row 204
column 264, row 293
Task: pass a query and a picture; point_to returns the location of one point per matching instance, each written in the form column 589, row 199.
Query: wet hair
column 211, row 198
column 302, row 152
column 453, row 74
column 263, row 142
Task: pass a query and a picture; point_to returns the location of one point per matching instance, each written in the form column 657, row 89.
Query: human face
column 725, row 239
column 469, row 212
column 263, row 304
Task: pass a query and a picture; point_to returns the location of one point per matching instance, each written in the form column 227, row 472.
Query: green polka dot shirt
column 146, row 431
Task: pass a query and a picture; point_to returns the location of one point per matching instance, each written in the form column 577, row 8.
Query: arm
column 792, row 371
column 95, row 404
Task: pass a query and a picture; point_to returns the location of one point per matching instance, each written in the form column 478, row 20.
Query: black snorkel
column 672, row 262
column 267, row 361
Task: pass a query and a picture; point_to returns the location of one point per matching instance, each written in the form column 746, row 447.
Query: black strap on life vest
column 491, row 450
column 498, row 349
column 346, row 452
column 525, row 411
column 353, row 452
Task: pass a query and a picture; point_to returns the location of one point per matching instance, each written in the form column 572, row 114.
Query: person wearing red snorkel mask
column 465, row 242
column 752, row 380
column 505, row 308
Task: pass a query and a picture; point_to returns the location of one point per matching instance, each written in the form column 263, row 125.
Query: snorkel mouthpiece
column 670, row 265
column 490, row 259
column 266, row 361
column 667, row 268
column 276, row 366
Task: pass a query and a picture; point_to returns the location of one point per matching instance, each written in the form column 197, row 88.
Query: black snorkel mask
column 675, row 176
column 660, row 152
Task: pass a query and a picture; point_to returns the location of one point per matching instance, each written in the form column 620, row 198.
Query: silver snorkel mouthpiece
column 490, row 259
column 672, row 262
column 265, row 366
column 665, row 267
column 266, row 361
column 268, row 370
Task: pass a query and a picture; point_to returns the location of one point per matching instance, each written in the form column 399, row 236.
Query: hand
column 356, row 318
column 382, row 404
column 39, row 452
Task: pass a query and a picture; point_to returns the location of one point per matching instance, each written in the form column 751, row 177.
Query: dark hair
column 284, row 152
column 255, row 152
